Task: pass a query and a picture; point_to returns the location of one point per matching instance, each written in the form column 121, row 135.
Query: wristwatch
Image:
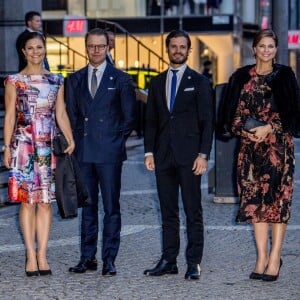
column 4, row 147
column 202, row 155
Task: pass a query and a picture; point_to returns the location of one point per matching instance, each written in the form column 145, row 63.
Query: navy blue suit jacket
column 101, row 125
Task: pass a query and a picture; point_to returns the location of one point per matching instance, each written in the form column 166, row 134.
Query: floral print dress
column 265, row 170
column 31, row 177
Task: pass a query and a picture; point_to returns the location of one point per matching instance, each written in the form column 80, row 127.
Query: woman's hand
column 70, row 148
column 258, row 134
column 7, row 158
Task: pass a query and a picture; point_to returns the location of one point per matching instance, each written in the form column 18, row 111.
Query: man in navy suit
column 101, row 105
column 178, row 139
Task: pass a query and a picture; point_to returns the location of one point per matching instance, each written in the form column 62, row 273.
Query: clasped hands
column 258, row 134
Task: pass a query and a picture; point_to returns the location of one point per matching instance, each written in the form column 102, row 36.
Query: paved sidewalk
column 229, row 253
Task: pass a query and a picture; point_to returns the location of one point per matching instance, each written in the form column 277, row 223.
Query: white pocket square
column 111, row 88
column 189, row 89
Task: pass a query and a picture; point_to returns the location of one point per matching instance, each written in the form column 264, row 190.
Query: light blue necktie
column 173, row 89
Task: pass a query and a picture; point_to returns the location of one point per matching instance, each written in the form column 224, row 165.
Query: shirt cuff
column 148, row 154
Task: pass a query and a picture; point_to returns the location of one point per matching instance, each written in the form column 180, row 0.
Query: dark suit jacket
column 188, row 130
column 101, row 125
column 19, row 45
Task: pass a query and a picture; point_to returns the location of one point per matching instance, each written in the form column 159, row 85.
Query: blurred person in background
column 207, row 72
column 111, row 46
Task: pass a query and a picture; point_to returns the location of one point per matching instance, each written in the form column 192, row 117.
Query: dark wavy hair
column 178, row 33
column 30, row 15
column 97, row 31
column 33, row 35
column 264, row 33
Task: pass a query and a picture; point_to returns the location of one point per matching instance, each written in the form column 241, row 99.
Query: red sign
column 75, row 26
column 294, row 39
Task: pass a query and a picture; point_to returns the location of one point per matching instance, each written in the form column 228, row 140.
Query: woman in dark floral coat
column 268, row 93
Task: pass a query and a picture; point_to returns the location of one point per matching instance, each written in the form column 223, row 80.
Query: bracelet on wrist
column 4, row 147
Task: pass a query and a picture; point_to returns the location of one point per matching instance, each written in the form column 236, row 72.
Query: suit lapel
column 84, row 87
column 104, row 83
column 162, row 87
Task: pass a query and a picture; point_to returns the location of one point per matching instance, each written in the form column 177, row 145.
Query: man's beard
column 178, row 61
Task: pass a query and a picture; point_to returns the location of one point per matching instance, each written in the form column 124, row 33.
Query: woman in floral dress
column 266, row 92
column 34, row 98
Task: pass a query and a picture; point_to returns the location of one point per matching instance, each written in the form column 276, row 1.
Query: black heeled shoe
column 256, row 276
column 31, row 273
column 268, row 277
column 45, row 272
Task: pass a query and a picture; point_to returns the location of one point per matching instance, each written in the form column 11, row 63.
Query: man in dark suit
column 33, row 21
column 101, row 105
column 178, row 140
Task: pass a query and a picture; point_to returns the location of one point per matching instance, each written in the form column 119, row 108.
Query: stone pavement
column 229, row 253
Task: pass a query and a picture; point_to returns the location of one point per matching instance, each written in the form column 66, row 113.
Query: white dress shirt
column 99, row 73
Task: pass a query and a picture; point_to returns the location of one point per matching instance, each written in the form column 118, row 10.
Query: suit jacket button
column 85, row 134
column 86, row 119
column 101, row 120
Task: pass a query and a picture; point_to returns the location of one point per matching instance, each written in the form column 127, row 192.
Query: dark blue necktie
column 173, row 89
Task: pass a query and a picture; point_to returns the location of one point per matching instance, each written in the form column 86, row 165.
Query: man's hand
column 199, row 166
column 149, row 162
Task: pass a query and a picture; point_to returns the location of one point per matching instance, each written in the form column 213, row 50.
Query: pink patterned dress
column 31, row 177
column 265, row 170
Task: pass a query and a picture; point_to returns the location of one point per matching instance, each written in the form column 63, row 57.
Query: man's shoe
column 193, row 272
column 84, row 265
column 109, row 269
column 163, row 267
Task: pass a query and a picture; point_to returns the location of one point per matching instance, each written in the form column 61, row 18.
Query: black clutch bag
column 59, row 144
column 252, row 123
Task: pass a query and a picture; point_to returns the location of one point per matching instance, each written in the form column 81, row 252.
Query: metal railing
column 71, row 52
column 151, row 54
